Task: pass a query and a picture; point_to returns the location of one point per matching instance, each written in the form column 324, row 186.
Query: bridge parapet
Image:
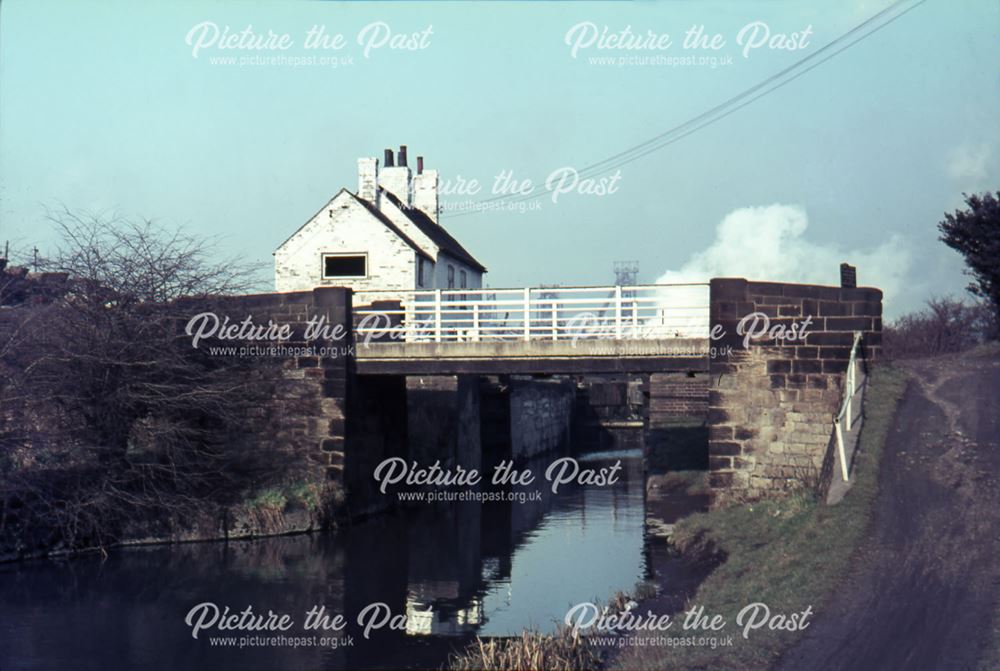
column 772, row 400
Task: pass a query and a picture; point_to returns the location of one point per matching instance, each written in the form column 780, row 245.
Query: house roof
column 438, row 235
column 391, row 226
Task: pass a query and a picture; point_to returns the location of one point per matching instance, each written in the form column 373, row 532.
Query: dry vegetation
column 108, row 415
column 944, row 326
column 563, row 651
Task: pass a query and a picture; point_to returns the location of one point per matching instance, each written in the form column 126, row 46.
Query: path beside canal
column 926, row 580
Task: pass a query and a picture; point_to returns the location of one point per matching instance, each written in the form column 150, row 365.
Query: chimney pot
column 420, row 165
column 402, row 156
column 388, row 158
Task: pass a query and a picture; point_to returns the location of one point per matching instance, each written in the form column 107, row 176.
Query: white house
column 384, row 237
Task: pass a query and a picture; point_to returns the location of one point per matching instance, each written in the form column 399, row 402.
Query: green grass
column 277, row 498
column 271, row 498
column 788, row 554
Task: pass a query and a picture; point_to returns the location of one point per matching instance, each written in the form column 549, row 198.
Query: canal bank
column 789, row 554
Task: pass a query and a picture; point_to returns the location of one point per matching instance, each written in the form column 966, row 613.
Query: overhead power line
column 860, row 32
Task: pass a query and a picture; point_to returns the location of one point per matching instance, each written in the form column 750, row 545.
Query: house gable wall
column 345, row 226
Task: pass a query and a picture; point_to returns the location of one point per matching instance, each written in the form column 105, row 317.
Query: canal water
column 454, row 570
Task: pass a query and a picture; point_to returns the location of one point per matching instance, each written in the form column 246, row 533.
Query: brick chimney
column 425, row 191
column 397, row 179
column 368, row 179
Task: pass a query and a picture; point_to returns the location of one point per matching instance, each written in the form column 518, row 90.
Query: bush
column 945, row 326
column 108, row 418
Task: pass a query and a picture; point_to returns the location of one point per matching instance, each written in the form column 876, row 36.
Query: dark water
column 454, row 570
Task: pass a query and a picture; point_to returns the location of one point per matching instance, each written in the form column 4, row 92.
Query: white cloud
column 969, row 163
column 768, row 243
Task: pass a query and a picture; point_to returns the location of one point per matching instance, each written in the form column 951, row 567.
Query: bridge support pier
column 772, row 401
column 443, row 419
column 376, row 430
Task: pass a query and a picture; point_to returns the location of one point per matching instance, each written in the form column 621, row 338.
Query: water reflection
column 453, row 570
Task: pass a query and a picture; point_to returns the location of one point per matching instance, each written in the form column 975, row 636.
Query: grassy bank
column 788, row 554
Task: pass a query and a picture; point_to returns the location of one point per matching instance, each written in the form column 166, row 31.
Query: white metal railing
column 534, row 313
column 845, row 418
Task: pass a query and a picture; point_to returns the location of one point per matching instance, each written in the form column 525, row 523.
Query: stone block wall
column 541, row 412
column 772, row 401
column 443, row 420
column 306, row 415
column 610, row 412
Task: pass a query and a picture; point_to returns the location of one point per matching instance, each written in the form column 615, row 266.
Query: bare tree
column 944, row 326
column 108, row 413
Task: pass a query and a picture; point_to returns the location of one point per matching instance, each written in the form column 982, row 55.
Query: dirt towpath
column 927, row 578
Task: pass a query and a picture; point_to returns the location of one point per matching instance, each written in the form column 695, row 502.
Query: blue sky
column 103, row 107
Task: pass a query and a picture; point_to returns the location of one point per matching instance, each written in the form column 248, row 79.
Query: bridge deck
column 536, row 356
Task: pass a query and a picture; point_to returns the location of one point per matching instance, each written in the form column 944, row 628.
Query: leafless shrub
column 945, row 326
column 107, row 415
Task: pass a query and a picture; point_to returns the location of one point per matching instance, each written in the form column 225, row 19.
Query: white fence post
column 843, row 456
column 555, row 320
column 475, row 321
column 437, row 315
column 527, row 314
column 618, row 312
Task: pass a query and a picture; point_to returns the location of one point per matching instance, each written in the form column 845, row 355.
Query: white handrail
column 845, row 417
column 640, row 312
column 557, row 289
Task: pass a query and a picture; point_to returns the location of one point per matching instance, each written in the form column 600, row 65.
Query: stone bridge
column 768, row 401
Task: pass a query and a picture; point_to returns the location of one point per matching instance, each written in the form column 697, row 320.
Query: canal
column 453, row 570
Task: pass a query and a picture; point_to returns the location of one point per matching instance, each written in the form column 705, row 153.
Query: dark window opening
column 463, row 281
column 345, row 266
column 420, row 271
column 451, row 277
